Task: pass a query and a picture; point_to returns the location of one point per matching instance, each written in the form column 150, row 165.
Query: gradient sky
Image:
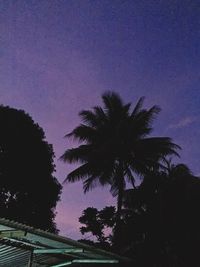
column 58, row 57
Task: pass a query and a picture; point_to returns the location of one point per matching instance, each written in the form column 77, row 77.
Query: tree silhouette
column 162, row 219
column 97, row 222
column 28, row 190
column 115, row 146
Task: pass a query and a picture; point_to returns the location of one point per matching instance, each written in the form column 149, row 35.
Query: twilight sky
column 58, row 56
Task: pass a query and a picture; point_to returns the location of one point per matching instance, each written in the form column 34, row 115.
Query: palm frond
column 138, row 107
column 101, row 175
column 100, row 114
column 114, row 189
column 158, row 147
column 112, row 102
column 89, row 117
column 127, row 109
column 90, row 183
column 141, row 122
column 180, row 170
column 79, row 173
column 83, row 133
column 107, row 172
column 128, row 173
column 152, row 113
column 149, row 154
column 79, row 154
column 139, row 166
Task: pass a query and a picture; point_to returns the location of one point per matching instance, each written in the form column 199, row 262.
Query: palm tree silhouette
column 115, row 146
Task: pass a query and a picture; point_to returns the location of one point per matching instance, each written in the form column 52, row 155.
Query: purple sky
column 58, row 57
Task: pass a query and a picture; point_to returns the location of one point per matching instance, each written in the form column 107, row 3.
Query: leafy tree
column 162, row 219
column 115, row 145
column 28, row 190
column 98, row 222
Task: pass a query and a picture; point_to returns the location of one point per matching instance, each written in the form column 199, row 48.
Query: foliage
column 111, row 135
column 161, row 222
column 28, row 190
column 115, row 146
column 97, row 222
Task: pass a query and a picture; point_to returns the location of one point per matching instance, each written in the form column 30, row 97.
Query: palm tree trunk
column 117, row 230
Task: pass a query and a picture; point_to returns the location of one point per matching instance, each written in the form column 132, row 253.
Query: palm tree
column 115, row 146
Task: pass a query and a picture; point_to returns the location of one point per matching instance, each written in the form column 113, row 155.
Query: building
column 24, row 246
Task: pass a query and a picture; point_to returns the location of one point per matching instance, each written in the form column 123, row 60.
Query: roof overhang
column 23, row 246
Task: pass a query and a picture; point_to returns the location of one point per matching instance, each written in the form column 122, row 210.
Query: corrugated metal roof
column 22, row 246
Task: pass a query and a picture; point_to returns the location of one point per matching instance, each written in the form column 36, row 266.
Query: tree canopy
column 116, row 145
column 28, row 190
column 115, row 136
column 98, row 223
column 161, row 222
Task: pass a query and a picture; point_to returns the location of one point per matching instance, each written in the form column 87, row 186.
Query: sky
column 57, row 57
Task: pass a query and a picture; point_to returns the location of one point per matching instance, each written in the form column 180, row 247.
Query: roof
column 22, row 246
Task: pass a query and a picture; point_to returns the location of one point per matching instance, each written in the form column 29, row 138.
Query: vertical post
column 30, row 262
